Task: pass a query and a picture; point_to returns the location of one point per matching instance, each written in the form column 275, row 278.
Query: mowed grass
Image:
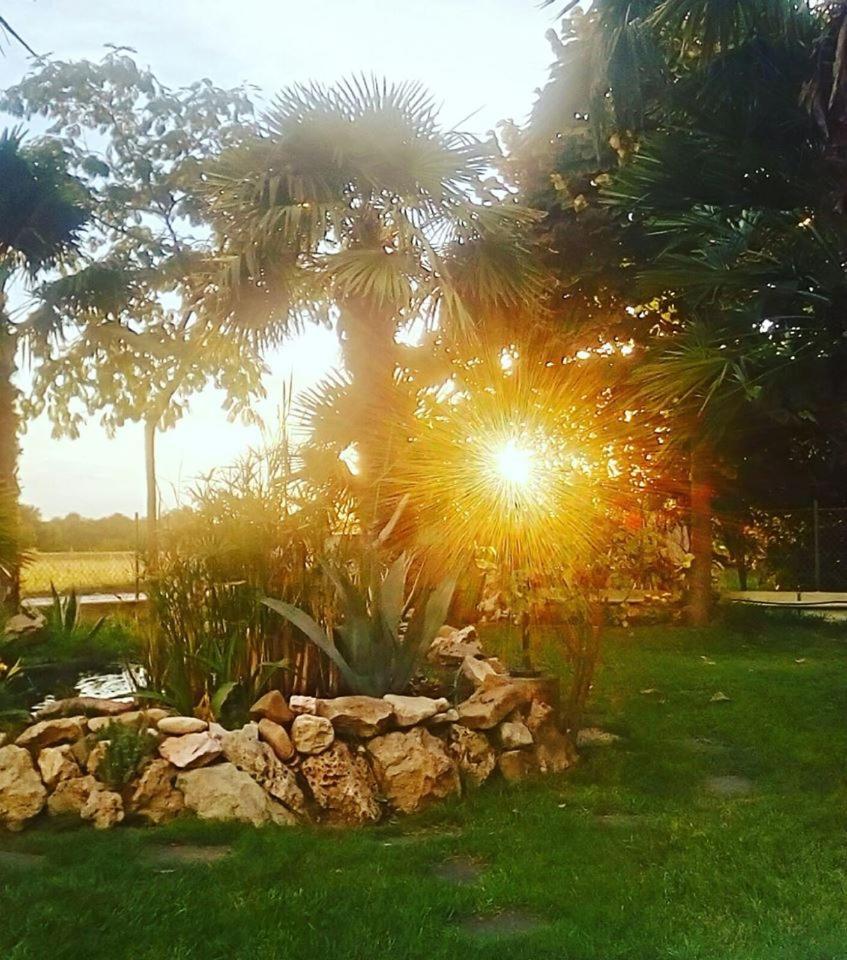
column 629, row 856
column 84, row 572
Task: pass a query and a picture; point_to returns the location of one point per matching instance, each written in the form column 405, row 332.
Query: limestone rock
column 517, row 764
column 70, row 796
column 147, row 718
column 46, row 733
column 3, row 739
column 343, row 786
column 103, row 808
column 595, row 737
column 479, row 672
column 22, row 793
column 487, row 706
column 180, row 726
column 23, row 625
column 311, row 734
column 192, row 750
column 356, row 716
column 57, row 763
column 410, row 711
column 298, row 705
column 155, row 796
column 87, row 706
column 514, row 735
column 224, row 792
column 553, row 751
column 473, row 753
column 449, row 716
column 277, row 738
column 272, row 706
column 96, row 755
column 244, row 749
column 413, row 768
column 452, row 649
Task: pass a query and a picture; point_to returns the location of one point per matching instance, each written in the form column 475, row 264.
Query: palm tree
column 353, row 205
column 677, row 130
column 42, row 210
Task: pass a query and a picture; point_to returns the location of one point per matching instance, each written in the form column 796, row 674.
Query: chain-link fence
column 802, row 549
column 115, row 571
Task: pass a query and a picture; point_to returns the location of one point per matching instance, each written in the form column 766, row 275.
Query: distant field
column 88, row 572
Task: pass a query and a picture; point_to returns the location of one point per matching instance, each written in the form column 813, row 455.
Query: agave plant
column 385, row 629
column 63, row 620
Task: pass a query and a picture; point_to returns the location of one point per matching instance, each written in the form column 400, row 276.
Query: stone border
column 343, row 761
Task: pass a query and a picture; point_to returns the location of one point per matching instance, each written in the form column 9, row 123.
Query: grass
column 629, row 856
column 86, row 571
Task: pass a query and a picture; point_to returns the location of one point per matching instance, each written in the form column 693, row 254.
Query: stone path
column 729, row 786
column 16, row 858
column 176, row 854
column 508, row 923
column 460, row 871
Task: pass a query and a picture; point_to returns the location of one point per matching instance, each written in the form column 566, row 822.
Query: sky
column 482, row 60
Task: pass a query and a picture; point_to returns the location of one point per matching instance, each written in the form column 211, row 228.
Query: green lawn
column 628, row 857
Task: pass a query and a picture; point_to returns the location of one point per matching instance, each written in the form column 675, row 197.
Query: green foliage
column 385, row 627
column 63, row 625
column 128, row 749
column 117, row 336
column 208, row 647
column 11, row 679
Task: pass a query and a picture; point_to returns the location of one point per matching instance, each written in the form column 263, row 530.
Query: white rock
column 342, row 785
column 413, row 768
column 410, row 711
column 514, row 735
column 180, row 726
column 224, row 792
column 46, row 733
column 244, row 749
column 103, row 808
column 57, row 763
column 22, row 793
column 356, row 716
column 298, row 704
column 192, row 750
column 311, row 734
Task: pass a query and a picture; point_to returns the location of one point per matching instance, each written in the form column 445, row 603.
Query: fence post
column 816, row 541
column 137, row 556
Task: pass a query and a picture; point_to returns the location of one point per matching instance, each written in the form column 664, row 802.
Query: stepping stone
column 702, row 745
column 459, row 871
column 729, row 786
column 620, row 819
column 420, row 836
column 16, row 858
column 509, row 923
column 179, row 853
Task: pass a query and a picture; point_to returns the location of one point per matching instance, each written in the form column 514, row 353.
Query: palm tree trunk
column 9, row 489
column 370, row 356
column 152, row 495
column 702, row 492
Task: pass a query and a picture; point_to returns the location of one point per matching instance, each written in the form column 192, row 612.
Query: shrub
column 129, row 747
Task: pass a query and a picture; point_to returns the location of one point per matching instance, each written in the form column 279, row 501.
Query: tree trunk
column 9, row 489
column 152, row 495
column 370, row 355
column 700, row 580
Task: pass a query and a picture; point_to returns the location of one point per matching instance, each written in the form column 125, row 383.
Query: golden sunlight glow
column 514, row 464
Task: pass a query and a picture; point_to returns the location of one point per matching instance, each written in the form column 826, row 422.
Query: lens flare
column 514, row 465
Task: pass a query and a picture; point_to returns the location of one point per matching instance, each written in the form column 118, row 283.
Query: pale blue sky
column 479, row 57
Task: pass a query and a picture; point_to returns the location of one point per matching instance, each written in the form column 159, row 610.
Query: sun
column 514, row 465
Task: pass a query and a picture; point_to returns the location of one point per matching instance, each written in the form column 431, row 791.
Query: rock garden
column 346, row 760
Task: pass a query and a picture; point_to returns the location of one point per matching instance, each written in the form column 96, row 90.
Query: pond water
column 56, row 682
